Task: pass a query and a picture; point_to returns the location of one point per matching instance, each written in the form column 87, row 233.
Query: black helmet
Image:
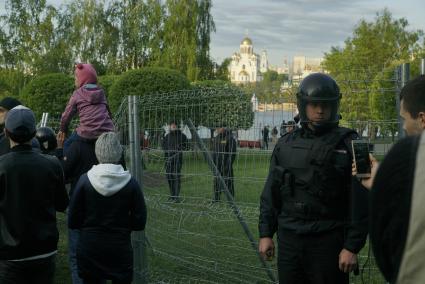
column 319, row 87
column 47, row 139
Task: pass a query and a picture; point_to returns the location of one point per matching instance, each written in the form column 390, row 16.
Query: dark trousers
column 173, row 174
column 37, row 271
column 310, row 259
column 266, row 143
column 218, row 188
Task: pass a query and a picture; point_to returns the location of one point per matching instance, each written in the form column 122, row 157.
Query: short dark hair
column 413, row 96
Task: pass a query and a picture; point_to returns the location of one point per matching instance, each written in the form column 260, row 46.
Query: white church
column 247, row 66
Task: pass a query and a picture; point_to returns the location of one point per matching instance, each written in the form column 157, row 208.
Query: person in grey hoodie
column 106, row 205
column 89, row 102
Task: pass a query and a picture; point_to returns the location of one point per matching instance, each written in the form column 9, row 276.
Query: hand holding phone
column 361, row 158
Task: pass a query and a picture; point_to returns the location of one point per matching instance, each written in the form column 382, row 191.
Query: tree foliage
column 269, row 89
column 364, row 66
column 115, row 36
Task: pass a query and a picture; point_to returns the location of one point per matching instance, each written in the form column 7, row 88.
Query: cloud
column 285, row 28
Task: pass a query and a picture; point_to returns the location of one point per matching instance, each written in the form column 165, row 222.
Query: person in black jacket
column 394, row 199
column 32, row 188
column 107, row 204
column 174, row 143
column 6, row 104
column 224, row 154
column 310, row 199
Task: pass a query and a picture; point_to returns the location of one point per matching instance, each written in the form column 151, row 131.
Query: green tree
column 222, row 72
column 204, row 26
column 358, row 65
column 27, row 35
column 89, row 29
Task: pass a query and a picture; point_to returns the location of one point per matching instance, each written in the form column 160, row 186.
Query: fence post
column 230, row 199
column 423, row 66
column 402, row 77
column 138, row 238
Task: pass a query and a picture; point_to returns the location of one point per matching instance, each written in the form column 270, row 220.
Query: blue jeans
column 67, row 143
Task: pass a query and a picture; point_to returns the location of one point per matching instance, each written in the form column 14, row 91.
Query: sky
column 286, row 28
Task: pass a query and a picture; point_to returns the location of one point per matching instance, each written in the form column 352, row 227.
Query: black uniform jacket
column 355, row 223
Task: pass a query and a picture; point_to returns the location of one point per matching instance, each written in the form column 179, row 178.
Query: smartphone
column 361, row 157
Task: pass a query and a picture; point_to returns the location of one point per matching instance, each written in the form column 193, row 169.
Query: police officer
column 308, row 198
column 46, row 137
column 174, row 143
column 224, row 154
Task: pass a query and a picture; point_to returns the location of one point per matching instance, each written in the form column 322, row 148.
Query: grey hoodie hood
column 108, row 179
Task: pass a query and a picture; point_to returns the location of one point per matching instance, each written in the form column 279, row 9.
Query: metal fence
column 197, row 240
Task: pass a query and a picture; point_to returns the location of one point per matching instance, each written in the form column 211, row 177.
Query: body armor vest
column 313, row 175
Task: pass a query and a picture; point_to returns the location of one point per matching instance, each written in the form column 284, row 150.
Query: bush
column 106, row 83
column 48, row 93
column 146, row 81
column 224, row 104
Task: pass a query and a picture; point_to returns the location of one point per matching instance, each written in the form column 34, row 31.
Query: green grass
column 199, row 242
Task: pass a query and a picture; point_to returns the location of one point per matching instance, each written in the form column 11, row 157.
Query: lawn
column 197, row 241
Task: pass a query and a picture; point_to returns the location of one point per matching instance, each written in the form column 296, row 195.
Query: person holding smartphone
column 308, row 198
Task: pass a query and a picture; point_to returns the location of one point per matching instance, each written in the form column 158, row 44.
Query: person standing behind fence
column 274, row 135
column 265, row 133
column 89, row 102
column 283, row 128
column 291, row 126
column 174, row 143
column 224, row 154
column 106, row 206
column 32, row 188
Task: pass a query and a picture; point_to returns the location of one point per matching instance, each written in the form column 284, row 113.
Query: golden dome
column 246, row 41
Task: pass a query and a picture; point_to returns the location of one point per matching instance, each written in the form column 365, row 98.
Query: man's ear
column 421, row 116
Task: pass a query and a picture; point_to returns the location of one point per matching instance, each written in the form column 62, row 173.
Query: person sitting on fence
column 224, row 154
column 107, row 204
column 174, row 143
column 89, row 102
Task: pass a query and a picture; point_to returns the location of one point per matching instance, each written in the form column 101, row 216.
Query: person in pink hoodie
column 89, row 102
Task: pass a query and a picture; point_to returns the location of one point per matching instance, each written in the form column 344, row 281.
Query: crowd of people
column 321, row 211
column 104, row 203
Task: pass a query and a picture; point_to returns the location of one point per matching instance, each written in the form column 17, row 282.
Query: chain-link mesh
column 195, row 239
column 198, row 240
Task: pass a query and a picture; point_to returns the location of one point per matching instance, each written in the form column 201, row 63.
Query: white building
column 246, row 66
column 303, row 66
